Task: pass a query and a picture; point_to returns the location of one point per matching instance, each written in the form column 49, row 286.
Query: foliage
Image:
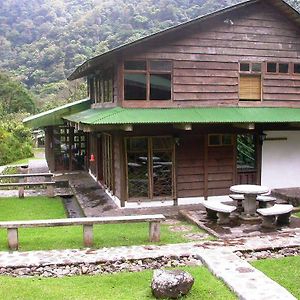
column 106, row 235
column 284, row 271
column 14, row 97
column 125, row 286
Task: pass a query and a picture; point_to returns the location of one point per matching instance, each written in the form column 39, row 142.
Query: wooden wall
column 220, row 170
column 206, row 57
column 190, row 167
column 204, row 170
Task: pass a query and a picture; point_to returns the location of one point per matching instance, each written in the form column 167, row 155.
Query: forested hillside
column 42, row 41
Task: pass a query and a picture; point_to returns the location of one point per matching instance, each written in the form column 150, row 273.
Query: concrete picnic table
column 250, row 192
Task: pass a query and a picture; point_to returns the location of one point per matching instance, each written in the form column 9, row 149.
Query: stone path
column 247, row 282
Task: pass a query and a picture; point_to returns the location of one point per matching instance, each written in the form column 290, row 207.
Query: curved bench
column 279, row 212
column 217, row 210
column 265, row 201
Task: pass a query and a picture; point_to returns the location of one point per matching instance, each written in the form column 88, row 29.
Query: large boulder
column 171, row 284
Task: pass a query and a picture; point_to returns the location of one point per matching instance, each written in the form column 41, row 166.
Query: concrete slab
column 247, row 282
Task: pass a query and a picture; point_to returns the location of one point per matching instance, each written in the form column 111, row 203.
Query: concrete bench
column 239, row 198
column 87, row 223
column 279, row 213
column 217, row 210
column 265, row 201
column 21, row 185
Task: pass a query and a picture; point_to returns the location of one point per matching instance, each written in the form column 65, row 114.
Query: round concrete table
column 250, row 193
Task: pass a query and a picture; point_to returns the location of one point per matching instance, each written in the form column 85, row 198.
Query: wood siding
column 205, row 59
column 221, row 170
column 190, row 167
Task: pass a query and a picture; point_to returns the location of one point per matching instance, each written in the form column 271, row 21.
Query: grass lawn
column 284, row 271
column 297, row 214
column 106, row 235
column 123, row 286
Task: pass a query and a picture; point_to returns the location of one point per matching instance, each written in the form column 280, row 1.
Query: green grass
column 284, row 271
column 106, row 235
column 121, row 286
column 297, row 214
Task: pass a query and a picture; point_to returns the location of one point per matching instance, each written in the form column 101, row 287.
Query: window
column 271, row 67
column 283, row 68
column 274, row 67
column 297, row 68
column 147, row 80
column 149, row 167
column 101, row 87
column 250, row 67
column 250, row 81
column 219, row 139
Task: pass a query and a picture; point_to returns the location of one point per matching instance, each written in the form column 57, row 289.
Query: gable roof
column 85, row 68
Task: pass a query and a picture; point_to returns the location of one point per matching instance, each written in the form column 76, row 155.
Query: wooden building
column 188, row 111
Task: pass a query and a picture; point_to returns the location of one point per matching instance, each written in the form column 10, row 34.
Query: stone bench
column 217, row 210
column 23, row 176
column 279, row 213
column 239, row 198
column 87, row 223
column 265, row 201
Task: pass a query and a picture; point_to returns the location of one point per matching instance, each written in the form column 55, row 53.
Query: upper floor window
column 250, row 81
column 275, row 67
column 102, row 87
column 297, row 68
column 147, row 80
column 220, row 140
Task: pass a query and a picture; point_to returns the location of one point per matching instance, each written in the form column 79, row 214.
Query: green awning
column 54, row 116
column 205, row 115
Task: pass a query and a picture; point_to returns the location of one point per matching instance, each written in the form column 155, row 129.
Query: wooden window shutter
column 250, row 87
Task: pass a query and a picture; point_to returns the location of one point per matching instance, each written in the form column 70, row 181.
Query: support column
column 12, row 238
column 154, row 231
column 88, row 235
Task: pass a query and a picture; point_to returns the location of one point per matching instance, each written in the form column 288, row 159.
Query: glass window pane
column 161, row 65
column 283, row 68
column 135, row 87
column 256, row 67
column 160, row 86
column 245, row 67
column 271, row 67
column 214, row 140
column 297, row 68
column 227, row 139
column 137, row 144
column 162, row 143
column 162, row 174
column 135, row 65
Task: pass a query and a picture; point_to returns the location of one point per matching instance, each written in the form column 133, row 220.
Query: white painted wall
column 281, row 160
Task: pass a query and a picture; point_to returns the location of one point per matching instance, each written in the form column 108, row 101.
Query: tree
column 14, row 97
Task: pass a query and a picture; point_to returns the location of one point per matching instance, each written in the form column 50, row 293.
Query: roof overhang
column 200, row 115
column 54, row 116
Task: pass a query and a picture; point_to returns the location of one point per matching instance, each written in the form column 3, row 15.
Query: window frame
column 293, row 68
column 148, row 72
column 278, row 63
column 221, row 139
column 251, row 63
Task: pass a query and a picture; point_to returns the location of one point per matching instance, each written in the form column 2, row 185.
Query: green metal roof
column 120, row 116
column 54, row 116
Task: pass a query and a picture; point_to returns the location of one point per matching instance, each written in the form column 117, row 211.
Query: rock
column 171, row 284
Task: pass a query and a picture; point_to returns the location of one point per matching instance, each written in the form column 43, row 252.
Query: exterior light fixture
column 92, row 158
